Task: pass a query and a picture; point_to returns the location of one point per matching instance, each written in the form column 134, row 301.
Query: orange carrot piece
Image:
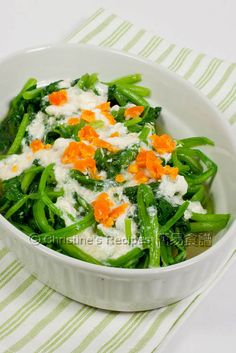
column 88, row 115
column 141, row 159
column 101, row 206
column 37, row 145
column 133, row 168
column 85, row 150
column 14, row 168
column 103, row 144
column 154, row 165
column 172, row 172
column 141, row 178
column 104, row 106
column 71, row 153
column 102, row 210
column 134, row 112
column 119, row 178
column 163, row 143
column 77, row 150
column 87, row 133
column 85, row 164
column 73, row 121
column 58, row 98
column 115, row 134
column 109, row 117
column 116, row 212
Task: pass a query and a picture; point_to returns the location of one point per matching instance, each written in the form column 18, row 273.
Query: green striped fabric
column 33, row 317
column 214, row 77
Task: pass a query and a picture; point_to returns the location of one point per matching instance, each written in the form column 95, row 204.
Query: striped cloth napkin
column 33, row 317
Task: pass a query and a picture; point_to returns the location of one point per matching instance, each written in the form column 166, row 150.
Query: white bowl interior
column 185, row 112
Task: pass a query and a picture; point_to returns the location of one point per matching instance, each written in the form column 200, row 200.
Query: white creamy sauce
column 100, row 116
column 67, row 209
column 110, row 129
column 103, row 175
column 77, row 99
column 20, row 161
column 68, row 108
column 36, row 129
column 129, row 105
column 101, row 248
column 53, row 155
column 89, row 100
column 70, row 187
column 194, row 207
column 115, row 193
column 152, row 211
column 25, row 160
column 173, row 190
column 124, row 140
column 102, row 90
column 115, row 108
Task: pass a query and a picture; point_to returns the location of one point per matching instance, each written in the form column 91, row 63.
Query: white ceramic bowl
column 186, row 113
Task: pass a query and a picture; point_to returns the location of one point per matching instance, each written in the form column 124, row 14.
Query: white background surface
column 205, row 25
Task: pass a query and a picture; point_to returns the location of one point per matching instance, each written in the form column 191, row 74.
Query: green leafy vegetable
column 113, row 163
column 41, row 205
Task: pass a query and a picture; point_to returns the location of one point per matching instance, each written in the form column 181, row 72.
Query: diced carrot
column 88, row 115
column 87, row 133
column 119, row 178
column 73, row 121
column 84, row 165
column 141, row 159
column 71, row 153
column 171, row 171
column 149, row 166
column 85, row 150
column 80, row 155
column 163, row 143
column 37, row 145
column 109, row 222
column 103, row 212
column 109, row 117
column 101, row 207
column 103, row 144
column 154, row 165
column 148, row 160
column 115, row 134
column 104, row 106
column 14, row 168
column 77, row 150
column 134, row 112
column 116, row 212
column 141, row 178
column 105, row 197
column 133, row 168
column 58, row 98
